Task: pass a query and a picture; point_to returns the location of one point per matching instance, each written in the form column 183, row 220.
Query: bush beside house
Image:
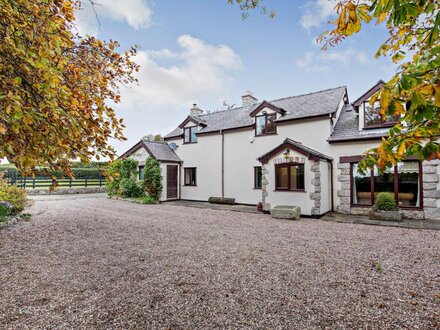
column 122, row 181
column 153, row 178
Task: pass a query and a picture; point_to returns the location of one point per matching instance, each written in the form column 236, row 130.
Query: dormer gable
column 266, row 105
column 368, row 94
column 192, row 121
column 369, row 114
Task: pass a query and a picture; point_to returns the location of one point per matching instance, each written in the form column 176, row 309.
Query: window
column 141, row 172
column 190, row 176
column 402, row 180
column 189, row 134
column 289, row 177
column 373, row 118
column 257, row 177
column 265, row 124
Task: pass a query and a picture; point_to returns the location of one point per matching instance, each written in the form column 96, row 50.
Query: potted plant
column 385, row 208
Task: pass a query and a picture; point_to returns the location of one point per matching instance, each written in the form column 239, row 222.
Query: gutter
column 331, row 187
column 223, row 163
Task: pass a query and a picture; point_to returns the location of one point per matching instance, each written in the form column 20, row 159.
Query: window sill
column 190, row 185
column 288, row 190
column 412, row 208
column 265, row 134
column 380, row 126
column 256, row 188
column 189, row 142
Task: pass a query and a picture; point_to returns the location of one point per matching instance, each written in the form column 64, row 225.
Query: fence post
column 70, row 182
column 100, row 181
column 33, row 183
column 86, row 182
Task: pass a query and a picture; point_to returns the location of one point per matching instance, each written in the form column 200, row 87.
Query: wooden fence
column 41, row 182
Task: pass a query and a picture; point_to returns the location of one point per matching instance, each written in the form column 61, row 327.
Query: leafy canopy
column 56, row 87
column 413, row 92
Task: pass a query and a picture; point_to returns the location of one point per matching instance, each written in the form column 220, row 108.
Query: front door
column 171, row 181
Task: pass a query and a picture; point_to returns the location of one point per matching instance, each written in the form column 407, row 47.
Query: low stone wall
column 67, row 191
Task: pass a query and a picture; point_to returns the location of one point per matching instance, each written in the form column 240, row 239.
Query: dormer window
column 189, row 134
column 373, row 118
column 265, row 124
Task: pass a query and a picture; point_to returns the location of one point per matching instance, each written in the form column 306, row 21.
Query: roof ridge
column 323, row 90
column 159, row 142
column 218, row 111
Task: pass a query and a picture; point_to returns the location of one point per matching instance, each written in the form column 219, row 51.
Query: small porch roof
column 298, row 147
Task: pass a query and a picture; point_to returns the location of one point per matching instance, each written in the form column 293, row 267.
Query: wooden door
column 172, row 181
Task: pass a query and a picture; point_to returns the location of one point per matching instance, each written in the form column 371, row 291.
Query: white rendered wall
column 205, row 155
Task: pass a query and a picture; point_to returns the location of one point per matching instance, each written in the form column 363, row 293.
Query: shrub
column 5, row 209
column 385, row 202
column 147, row 200
column 12, row 194
column 130, row 188
column 113, row 177
column 153, row 178
column 129, row 168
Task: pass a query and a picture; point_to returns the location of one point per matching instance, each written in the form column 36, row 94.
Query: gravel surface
column 98, row 263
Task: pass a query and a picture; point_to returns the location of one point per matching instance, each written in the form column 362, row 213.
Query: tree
column 153, row 138
column 56, row 87
column 413, row 92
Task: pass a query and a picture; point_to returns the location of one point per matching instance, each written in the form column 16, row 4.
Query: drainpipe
column 223, row 163
column 331, row 185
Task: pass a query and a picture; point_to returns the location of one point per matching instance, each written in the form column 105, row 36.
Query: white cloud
column 170, row 81
column 201, row 73
column 136, row 13
column 323, row 61
column 317, row 12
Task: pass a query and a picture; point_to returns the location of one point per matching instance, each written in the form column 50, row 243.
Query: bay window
column 402, row 180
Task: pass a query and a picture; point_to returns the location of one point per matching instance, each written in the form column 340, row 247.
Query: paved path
column 87, row 262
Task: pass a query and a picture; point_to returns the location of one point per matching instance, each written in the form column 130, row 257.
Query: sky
column 202, row 51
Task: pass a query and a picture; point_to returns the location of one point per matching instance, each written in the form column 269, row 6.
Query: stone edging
column 67, row 191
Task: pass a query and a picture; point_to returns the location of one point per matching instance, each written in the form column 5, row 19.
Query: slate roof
column 295, row 145
column 296, row 107
column 160, row 151
column 347, row 127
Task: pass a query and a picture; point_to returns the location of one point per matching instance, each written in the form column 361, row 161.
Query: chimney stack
column 196, row 111
column 248, row 99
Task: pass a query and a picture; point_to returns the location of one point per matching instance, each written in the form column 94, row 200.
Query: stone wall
column 67, row 191
column 431, row 189
column 431, row 193
column 264, row 183
column 315, row 195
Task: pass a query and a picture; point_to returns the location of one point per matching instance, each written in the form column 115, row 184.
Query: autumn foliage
column 413, row 94
column 56, row 88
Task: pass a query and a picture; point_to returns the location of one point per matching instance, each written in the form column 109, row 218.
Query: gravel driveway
column 90, row 262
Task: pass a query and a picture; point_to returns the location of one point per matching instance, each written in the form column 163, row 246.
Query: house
column 301, row 150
